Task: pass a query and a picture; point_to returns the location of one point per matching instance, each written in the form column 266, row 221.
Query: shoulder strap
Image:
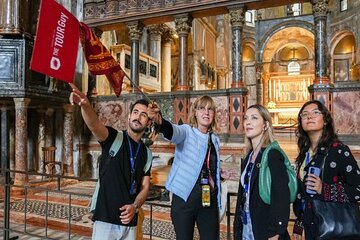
column 116, row 145
column 148, row 160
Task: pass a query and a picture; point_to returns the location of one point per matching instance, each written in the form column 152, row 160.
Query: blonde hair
column 202, row 102
column 268, row 134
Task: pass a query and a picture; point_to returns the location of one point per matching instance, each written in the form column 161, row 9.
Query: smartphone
column 315, row 171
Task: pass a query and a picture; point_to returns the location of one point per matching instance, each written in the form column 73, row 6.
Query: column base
column 237, row 84
column 182, row 88
column 321, row 80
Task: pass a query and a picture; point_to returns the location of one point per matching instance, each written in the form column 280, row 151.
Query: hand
column 314, row 182
column 154, row 113
column 77, row 97
column 127, row 213
column 297, row 236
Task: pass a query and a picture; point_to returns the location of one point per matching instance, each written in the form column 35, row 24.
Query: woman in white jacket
column 194, row 178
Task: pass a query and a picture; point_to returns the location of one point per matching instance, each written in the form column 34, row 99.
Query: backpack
column 265, row 175
column 112, row 152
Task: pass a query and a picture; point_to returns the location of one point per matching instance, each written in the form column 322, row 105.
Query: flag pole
column 138, row 88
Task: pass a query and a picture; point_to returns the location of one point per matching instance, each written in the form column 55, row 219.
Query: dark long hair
column 328, row 134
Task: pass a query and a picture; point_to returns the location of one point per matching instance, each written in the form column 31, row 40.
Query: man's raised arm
column 91, row 119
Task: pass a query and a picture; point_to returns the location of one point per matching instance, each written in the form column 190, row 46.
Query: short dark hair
column 140, row 101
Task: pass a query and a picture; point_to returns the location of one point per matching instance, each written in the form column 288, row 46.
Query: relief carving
column 183, row 24
column 320, row 7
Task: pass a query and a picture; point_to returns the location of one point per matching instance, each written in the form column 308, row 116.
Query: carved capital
column 237, row 16
column 183, row 24
column 135, row 30
column 167, row 35
column 320, row 7
column 156, row 31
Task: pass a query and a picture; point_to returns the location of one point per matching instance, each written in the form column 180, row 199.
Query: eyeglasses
column 312, row 114
column 204, row 109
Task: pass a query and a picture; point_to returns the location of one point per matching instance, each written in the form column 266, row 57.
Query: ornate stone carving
column 167, row 35
column 237, row 16
column 156, row 31
column 111, row 7
column 183, row 24
column 135, row 30
column 320, row 7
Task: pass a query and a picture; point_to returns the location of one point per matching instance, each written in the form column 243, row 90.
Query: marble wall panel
column 346, row 112
column 113, row 113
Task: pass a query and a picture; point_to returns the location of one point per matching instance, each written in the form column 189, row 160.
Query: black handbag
column 336, row 220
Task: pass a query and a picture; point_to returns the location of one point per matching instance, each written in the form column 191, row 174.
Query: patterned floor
column 59, row 211
column 162, row 227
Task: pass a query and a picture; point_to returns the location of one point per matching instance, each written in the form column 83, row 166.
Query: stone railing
column 149, row 68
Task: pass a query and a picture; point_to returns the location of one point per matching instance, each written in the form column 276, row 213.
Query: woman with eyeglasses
column 254, row 219
column 321, row 150
column 194, row 178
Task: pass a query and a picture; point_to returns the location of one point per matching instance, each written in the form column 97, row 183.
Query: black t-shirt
column 115, row 182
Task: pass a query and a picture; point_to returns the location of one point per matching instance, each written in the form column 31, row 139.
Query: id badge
column 133, row 188
column 205, row 195
column 244, row 217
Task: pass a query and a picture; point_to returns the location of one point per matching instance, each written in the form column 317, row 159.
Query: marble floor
column 64, row 215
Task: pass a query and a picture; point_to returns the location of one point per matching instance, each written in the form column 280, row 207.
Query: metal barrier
column 25, row 190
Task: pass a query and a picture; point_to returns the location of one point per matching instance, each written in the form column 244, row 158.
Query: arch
column 279, row 27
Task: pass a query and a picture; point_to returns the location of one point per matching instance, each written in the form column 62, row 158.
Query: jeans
column 104, row 230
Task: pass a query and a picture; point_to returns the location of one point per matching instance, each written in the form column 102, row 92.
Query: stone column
column 237, row 97
column 68, row 140
column 135, row 31
column 21, row 127
column 49, row 127
column 183, row 25
column 41, row 138
column 237, row 17
column 9, row 16
column 321, row 88
column 221, row 81
column 155, row 41
column 320, row 10
column 166, row 61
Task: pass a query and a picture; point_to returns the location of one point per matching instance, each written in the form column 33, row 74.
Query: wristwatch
column 136, row 207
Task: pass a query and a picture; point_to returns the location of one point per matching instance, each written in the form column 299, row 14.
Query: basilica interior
column 276, row 53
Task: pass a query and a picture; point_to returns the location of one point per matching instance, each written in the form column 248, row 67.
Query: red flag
column 100, row 60
column 56, row 42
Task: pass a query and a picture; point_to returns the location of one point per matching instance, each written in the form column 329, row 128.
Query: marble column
column 320, row 10
column 4, row 140
column 21, row 126
column 237, row 18
column 41, row 138
column 49, row 127
column 237, row 97
column 321, row 90
column 68, row 160
column 135, row 31
column 221, row 80
column 9, row 16
column 155, row 41
column 166, row 61
column 183, row 25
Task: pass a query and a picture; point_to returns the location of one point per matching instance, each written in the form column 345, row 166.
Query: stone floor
column 49, row 215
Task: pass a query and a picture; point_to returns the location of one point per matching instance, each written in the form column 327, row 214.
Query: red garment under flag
column 56, row 42
column 99, row 59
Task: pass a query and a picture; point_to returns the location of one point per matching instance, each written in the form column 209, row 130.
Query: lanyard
column 132, row 157
column 249, row 170
column 307, row 157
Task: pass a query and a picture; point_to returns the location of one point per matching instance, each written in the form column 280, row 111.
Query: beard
column 136, row 129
